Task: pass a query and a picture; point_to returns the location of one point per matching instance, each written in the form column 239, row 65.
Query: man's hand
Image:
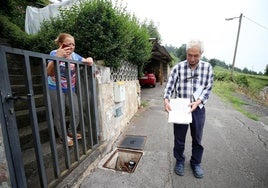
column 194, row 105
column 167, row 105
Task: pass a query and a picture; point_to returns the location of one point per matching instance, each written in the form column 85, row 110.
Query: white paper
column 180, row 111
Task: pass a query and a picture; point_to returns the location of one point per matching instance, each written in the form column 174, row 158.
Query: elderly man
column 192, row 79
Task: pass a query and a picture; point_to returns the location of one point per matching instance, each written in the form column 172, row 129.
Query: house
column 159, row 63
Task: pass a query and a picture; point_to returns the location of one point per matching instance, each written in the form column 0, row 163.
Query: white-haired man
column 188, row 78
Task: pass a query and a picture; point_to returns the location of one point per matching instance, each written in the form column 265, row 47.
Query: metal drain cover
column 133, row 142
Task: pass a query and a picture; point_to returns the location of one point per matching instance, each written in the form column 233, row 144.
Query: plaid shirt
column 183, row 81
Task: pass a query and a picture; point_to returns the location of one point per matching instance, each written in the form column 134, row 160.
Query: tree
column 171, row 49
column 213, row 62
column 181, row 52
column 152, row 30
column 204, row 58
column 266, row 70
column 102, row 31
column 218, row 62
column 245, row 70
column 15, row 10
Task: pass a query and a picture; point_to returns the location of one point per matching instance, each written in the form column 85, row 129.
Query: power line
column 256, row 23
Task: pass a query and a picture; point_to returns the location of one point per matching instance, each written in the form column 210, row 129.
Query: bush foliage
column 225, row 76
column 16, row 36
column 241, row 80
column 101, row 31
column 222, row 76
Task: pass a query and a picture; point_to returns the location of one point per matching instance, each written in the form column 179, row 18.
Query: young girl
column 66, row 48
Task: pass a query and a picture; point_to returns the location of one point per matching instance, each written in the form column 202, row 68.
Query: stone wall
column 117, row 102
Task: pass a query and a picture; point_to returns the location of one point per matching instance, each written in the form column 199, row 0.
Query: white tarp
column 35, row 16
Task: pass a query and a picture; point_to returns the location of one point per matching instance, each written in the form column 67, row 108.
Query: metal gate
column 34, row 156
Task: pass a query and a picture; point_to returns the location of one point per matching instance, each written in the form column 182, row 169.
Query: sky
column 179, row 21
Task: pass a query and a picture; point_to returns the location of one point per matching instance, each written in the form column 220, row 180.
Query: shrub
column 242, row 81
column 104, row 31
column 101, row 31
column 16, row 37
column 222, row 76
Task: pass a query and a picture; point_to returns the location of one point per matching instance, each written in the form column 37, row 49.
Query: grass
column 226, row 90
column 144, row 104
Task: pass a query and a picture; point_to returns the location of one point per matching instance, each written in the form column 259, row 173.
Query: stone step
column 23, row 118
column 26, row 136
column 23, row 104
column 21, row 79
column 30, row 164
column 20, row 90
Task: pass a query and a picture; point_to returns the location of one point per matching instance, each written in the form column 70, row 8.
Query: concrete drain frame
column 123, row 160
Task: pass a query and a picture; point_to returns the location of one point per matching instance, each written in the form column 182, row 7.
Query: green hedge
column 16, row 37
column 240, row 79
column 101, row 30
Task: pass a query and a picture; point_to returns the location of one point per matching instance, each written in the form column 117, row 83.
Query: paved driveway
column 235, row 155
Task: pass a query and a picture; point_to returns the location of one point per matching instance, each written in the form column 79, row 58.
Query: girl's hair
column 197, row 43
column 62, row 36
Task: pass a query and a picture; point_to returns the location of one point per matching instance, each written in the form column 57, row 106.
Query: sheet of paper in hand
column 180, row 111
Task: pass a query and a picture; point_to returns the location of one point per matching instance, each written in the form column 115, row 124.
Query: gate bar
column 34, row 123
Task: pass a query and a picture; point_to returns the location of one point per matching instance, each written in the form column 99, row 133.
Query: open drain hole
column 123, row 160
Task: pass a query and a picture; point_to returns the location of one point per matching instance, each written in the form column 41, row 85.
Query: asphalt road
column 235, row 155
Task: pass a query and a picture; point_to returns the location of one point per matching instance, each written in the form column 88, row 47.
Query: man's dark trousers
column 180, row 131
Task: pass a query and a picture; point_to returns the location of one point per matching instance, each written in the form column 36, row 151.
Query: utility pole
column 236, row 44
